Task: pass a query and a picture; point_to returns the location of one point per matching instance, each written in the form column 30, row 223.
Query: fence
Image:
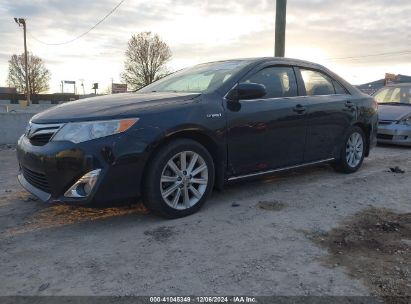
column 12, row 126
column 35, row 98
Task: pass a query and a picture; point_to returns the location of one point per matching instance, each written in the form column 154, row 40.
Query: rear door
column 330, row 112
column 269, row 132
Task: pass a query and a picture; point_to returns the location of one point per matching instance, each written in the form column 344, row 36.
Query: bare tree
column 39, row 75
column 146, row 57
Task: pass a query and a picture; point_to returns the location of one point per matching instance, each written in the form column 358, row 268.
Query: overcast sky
column 200, row 30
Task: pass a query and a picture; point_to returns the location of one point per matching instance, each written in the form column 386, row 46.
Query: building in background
column 372, row 87
column 8, row 90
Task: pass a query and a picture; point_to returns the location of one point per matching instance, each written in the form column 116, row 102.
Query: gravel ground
column 269, row 237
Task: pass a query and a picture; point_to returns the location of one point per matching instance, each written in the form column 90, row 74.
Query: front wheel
column 179, row 179
column 352, row 152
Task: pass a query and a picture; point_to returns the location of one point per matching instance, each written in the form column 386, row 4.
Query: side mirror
column 245, row 91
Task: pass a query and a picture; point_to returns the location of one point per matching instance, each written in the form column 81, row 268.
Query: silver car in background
column 394, row 126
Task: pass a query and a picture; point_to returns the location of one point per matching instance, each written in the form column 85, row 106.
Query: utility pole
column 22, row 22
column 280, row 23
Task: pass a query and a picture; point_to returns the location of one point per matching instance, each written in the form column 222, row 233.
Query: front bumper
column 394, row 134
column 48, row 171
column 44, row 196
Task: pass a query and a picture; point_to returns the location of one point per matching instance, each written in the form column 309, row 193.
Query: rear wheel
column 179, row 179
column 352, row 152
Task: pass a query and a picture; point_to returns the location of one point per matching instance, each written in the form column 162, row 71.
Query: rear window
column 393, row 95
column 317, row 83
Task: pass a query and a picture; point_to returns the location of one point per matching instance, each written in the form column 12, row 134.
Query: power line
column 86, row 32
column 371, row 55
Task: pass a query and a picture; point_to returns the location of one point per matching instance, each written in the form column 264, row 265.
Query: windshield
column 198, row 79
column 394, row 95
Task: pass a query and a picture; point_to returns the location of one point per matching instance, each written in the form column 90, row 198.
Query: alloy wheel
column 184, row 180
column 354, row 149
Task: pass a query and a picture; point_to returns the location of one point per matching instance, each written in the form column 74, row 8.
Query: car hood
column 390, row 112
column 110, row 106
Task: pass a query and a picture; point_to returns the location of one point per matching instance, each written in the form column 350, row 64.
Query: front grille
column 36, row 179
column 41, row 139
column 385, row 136
column 40, row 134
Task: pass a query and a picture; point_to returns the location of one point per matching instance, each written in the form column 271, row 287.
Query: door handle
column 349, row 104
column 300, row 109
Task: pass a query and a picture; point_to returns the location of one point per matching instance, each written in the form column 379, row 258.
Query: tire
column 352, row 152
column 169, row 190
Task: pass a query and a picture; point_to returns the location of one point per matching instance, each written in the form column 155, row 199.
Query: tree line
column 145, row 62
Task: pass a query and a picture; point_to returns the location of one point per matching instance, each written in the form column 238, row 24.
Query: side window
column 317, row 83
column 278, row 81
column 339, row 89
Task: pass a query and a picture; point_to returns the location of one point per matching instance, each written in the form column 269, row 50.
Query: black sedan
column 175, row 140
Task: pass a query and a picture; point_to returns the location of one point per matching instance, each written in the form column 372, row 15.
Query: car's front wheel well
column 206, row 142
column 367, row 131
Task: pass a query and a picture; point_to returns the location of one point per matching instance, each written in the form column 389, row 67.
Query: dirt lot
column 309, row 232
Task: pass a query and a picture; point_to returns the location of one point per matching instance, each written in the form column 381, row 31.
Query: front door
column 270, row 132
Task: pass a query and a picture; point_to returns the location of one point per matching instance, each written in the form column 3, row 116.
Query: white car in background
column 394, row 126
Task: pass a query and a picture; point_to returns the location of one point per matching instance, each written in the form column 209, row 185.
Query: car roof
column 295, row 62
column 281, row 60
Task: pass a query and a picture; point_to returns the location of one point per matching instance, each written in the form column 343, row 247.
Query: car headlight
column 405, row 121
column 77, row 132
